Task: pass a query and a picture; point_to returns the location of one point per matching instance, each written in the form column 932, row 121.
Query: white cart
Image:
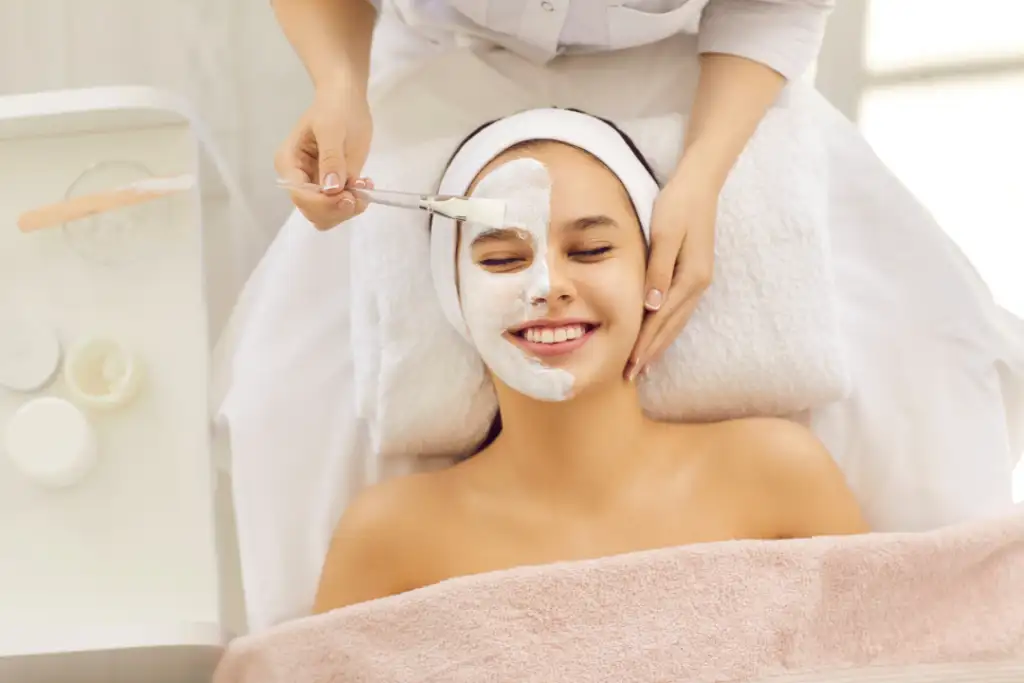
column 131, row 574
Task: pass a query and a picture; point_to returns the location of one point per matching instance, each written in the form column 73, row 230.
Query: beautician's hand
column 681, row 261
column 329, row 146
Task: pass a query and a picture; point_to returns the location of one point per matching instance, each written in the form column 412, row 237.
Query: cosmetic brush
column 489, row 212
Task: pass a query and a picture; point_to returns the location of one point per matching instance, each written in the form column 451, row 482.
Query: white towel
column 763, row 341
column 764, row 338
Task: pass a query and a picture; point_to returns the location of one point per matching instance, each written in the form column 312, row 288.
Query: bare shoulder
column 376, row 543
column 790, row 469
column 385, row 512
column 775, row 446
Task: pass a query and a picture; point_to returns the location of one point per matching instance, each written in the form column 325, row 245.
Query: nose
column 555, row 285
column 550, row 298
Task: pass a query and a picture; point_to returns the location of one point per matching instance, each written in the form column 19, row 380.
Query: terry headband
column 586, row 132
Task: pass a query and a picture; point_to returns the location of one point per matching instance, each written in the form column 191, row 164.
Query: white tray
column 132, row 574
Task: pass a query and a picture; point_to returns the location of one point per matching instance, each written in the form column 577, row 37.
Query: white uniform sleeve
column 785, row 35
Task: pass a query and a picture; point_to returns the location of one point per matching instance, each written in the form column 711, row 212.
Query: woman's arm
column 369, row 552
column 733, row 94
column 356, row 569
column 749, row 50
column 816, row 500
column 379, row 546
column 784, row 35
column 331, row 37
column 807, row 493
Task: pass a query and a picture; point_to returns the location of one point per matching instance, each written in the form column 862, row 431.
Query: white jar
column 101, row 373
column 51, row 442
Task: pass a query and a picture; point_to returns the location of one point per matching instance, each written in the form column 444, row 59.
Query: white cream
column 487, row 212
column 101, row 373
column 494, row 302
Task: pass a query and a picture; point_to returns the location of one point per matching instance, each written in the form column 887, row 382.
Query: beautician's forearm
column 733, row 95
column 331, row 37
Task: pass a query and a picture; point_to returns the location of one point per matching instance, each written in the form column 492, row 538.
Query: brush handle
column 402, row 200
column 87, row 205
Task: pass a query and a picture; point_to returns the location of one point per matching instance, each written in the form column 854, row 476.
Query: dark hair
column 496, row 425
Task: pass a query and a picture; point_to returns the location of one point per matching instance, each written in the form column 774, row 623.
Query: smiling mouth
column 550, row 339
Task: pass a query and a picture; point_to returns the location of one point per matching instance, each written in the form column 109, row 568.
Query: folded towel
column 764, row 339
column 946, row 604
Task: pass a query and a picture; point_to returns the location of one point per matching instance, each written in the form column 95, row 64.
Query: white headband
column 588, row 133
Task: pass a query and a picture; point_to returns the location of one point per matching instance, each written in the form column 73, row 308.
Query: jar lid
column 29, row 353
column 51, row 442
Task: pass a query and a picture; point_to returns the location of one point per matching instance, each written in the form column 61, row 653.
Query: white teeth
column 553, row 335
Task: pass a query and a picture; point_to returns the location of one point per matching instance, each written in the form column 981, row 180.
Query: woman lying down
column 573, row 469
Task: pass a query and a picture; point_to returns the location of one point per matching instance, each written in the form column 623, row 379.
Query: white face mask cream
column 494, row 302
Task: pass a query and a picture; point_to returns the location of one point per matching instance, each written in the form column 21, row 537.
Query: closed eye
column 498, row 262
column 590, row 253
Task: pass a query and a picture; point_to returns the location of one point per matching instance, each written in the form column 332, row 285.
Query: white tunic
column 782, row 34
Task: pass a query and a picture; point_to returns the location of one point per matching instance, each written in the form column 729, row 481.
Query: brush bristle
column 489, row 212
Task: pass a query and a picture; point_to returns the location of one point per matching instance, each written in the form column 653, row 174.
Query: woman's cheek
column 492, row 302
column 621, row 283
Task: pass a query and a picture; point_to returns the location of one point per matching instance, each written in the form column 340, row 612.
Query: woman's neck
column 585, row 445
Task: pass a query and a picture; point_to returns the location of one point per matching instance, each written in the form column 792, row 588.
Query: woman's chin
column 575, row 369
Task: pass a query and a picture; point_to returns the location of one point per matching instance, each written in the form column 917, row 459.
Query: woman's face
column 554, row 300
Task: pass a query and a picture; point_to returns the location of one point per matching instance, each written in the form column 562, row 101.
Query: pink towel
column 946, row 605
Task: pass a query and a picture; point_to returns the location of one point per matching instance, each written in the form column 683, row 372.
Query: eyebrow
column 588, row 222
column 577, row 225
column 496, row 235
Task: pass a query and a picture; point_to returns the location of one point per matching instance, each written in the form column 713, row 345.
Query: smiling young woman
column 553, row 303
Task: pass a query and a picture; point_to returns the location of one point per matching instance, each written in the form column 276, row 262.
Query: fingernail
column 359, row 184
column 347, row 200
column 331, row 182
column 631, row 371
column 653, row 300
